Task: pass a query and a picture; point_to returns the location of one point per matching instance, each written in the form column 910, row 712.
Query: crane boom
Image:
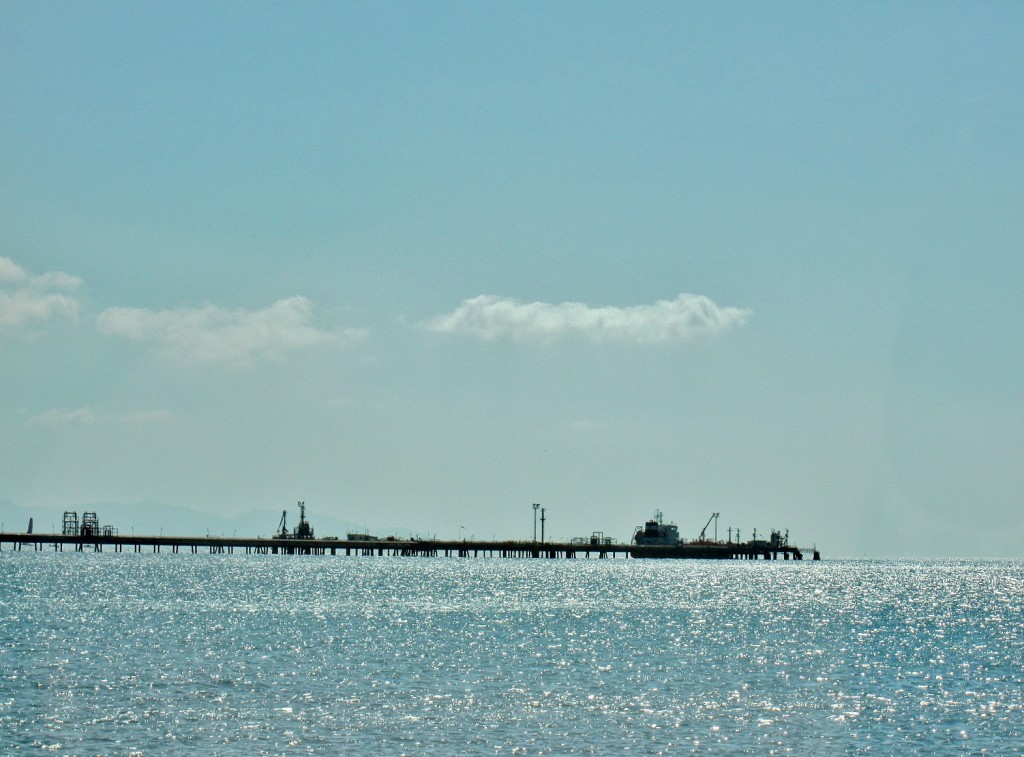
column 703, row 531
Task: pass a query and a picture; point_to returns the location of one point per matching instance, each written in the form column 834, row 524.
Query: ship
column 656, row 538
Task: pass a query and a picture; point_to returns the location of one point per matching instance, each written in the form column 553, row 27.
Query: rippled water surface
column 151, row 654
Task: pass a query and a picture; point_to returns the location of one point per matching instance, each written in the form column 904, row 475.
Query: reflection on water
column 122, row 653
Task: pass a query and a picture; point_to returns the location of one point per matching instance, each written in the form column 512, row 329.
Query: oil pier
column 392, row 547
column 655, row 539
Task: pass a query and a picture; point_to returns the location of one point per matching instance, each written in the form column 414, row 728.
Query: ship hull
column 715, row 552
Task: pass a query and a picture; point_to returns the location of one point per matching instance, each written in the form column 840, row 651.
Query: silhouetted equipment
column 302, row 531
column 70, row 523
column 703, row 531
column 90, row 524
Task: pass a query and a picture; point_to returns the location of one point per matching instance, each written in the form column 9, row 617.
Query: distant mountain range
column 154, row 518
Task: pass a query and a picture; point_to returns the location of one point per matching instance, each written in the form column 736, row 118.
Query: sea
column 158, row 654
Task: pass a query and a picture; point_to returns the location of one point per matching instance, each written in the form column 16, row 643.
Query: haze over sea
column 153, row 654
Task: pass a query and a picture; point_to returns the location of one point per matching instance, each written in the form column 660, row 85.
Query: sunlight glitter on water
column 239, row 655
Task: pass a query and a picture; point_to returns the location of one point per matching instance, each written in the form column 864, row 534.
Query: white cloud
column 24, row 297
column 214, row 334
column 80, row 416
column 86, row 415
column 685, row 317
column 11, row 271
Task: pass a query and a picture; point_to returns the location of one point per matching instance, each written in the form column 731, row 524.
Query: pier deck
column 394, row 547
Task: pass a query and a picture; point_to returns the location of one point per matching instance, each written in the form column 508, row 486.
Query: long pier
column 396, row 547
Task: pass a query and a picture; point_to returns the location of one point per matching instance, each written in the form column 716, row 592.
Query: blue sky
column 426, row 264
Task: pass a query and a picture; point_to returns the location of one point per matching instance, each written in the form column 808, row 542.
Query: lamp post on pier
column 536, row 506
column 542, row 524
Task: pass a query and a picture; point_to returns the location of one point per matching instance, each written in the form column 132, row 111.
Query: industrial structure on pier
column 655, row 539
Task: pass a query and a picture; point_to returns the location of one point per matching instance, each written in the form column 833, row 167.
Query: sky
column 422, row 265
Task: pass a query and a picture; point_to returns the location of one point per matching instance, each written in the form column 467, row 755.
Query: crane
column 282, row 527
column 703, row 531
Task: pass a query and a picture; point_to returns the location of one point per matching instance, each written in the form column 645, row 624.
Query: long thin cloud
column 86, row 415
column 686, row 317
column 25, row 298
column 79, row 416
column 214, row 334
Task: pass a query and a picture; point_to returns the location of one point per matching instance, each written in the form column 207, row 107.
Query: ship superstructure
column 656, row 533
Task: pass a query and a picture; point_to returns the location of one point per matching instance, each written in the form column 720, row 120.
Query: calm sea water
column 235, row 655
